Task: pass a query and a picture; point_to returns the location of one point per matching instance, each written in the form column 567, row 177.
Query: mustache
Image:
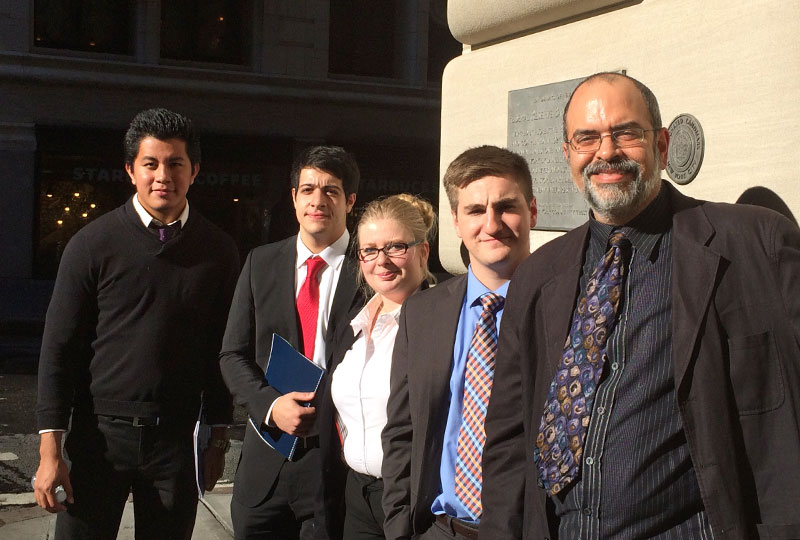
column 622, row 166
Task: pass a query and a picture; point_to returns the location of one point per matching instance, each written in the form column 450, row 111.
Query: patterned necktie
column 565, row 421
column 166, row 232
column 308, row 305
column 477, row 388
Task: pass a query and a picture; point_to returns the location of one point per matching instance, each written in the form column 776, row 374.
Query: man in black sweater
column 130, row 347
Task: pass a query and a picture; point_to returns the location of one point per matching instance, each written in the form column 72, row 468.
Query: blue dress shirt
column 447, row 502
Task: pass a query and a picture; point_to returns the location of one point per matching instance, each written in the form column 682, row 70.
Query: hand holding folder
column 293, row 414
column 288, row 371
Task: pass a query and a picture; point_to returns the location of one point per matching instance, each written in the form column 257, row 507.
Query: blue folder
column 287, row 371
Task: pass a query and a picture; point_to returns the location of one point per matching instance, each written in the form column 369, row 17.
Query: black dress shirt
column 637, row 478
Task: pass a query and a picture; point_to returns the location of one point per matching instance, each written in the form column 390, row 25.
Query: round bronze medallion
column 686, row 148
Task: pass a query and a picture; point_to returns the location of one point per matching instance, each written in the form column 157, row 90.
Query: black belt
column 458, row 527
column 137, row 421
column 304, row 445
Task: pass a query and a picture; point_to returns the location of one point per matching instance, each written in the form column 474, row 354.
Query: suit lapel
column 434, row 373
column 285, row 275
column 442, row 347
column 694, row 274
column 343, row 298
column 560, row 294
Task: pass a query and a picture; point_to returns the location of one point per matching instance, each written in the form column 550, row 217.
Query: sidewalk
column 19, row 520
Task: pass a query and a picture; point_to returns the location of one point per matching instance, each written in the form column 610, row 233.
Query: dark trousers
column 363, row 519
column 288, row 511
column 439, row 531
column 111, row 458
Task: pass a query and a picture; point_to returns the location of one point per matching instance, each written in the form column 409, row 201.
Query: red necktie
column 308, row 305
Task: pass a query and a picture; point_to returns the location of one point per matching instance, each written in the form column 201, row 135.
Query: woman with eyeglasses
column 393, row 248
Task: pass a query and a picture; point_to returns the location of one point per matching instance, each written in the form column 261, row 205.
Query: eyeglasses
column 393, row 249
column 624, row 138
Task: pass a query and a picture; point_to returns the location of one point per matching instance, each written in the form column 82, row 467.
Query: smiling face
column 162, row 174
column 493, row 220
column 393, row 278
column 321, row 208
column 617, row 182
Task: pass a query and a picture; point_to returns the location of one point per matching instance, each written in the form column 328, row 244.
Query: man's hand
column 52, row 473
column 291, row 416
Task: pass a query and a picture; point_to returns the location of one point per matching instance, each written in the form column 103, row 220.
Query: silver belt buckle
column 136, row 422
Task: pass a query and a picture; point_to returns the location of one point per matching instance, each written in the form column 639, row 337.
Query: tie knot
column 166, row 232
column 492, row 301
column 314, row 265
column 618, row 239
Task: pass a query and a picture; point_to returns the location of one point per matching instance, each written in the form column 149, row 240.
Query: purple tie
column 565, row 421
column 166, row 232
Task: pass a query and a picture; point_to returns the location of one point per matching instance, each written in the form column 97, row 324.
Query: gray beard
column 615, row 201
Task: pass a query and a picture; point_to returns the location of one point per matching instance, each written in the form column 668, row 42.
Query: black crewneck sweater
column 134, row 326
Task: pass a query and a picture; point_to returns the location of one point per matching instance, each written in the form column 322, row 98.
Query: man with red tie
column 301, row 288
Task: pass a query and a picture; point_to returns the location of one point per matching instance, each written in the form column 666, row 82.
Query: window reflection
column 362, row 37
column 208, row 31
column 104, row 26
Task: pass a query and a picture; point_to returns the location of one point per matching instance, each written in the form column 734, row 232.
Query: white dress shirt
column 360, row 388
column 333, row 255
column 147, row 218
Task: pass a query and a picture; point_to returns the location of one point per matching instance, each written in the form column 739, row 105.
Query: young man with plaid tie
column 443, row 360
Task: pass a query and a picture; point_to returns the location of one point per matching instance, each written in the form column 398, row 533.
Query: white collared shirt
column 147, row 218
column 360, row 388
column 333, row 255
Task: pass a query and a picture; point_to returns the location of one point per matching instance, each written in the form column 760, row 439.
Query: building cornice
column 68, row 70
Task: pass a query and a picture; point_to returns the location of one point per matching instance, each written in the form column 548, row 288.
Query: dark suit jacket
column 264, row 304
column 418, row 405
column 330, row 505
column 735, row 332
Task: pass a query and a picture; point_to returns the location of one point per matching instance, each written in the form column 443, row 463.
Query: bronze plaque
column 535, row 132
column 686, row 148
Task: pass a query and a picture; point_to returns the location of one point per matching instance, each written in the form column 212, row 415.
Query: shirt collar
column 333, row 255
column 476, row 289
column 360, row 322
column 644, row 231
column 147, row 218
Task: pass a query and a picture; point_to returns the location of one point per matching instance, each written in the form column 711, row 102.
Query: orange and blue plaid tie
column 478, row 378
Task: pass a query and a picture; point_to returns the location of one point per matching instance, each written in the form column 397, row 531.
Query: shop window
column 103, row 26
column 243, row 187
column 209, row 31
column 361, row 37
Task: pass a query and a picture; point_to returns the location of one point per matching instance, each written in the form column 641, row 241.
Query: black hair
column 333, row 160
column 161, row 124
